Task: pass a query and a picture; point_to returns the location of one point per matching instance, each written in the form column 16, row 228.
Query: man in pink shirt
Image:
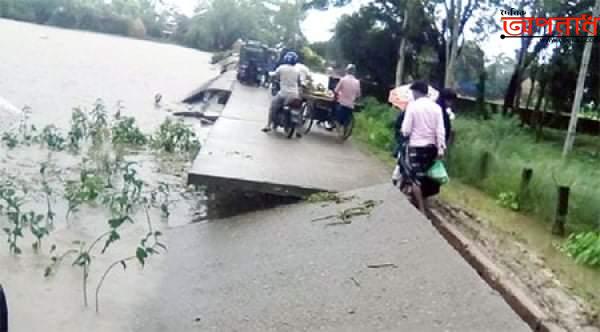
column 424, row 126
column 347, row 92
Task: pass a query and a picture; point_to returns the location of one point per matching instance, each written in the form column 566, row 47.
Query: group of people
column 423, row 132
column 292, row 75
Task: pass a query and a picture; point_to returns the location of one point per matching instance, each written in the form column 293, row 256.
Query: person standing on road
column 399, row 149
column 289, row 81
column 347, row 92
column 446, row 102
column 423, row 125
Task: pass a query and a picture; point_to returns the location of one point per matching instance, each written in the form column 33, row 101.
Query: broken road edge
column 516, row 298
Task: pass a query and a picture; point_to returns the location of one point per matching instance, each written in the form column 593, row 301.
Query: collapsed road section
column 238, row 158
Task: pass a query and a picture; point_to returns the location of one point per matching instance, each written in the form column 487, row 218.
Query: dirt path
column 526, row 269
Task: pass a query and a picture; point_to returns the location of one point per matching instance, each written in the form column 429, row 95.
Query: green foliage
column 508, row 200
column 79, row 129
column 584, row 248
column 98, row 125
column 176, row 136
column 126, row 132
column 10, row 139
column 12, row 201
column 53, row 139
column 375, row 125
column 512, row 148
column 161, row 197
column 134, row 18
column 313, row 60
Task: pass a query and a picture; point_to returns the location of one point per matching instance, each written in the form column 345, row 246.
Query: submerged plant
column 161, row 197
column 149, row 245
column 27, row 131
column 48, row 195
column 86, row 190
column 126, row 132
column 175, row 136
column 79, row 129
column 10, row 139
column 10, row 205
column 98, row 126
column 52, row 138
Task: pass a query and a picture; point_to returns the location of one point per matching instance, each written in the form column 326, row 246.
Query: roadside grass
column 511, row 149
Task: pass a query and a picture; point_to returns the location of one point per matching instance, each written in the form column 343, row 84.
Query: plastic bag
column 438, row 172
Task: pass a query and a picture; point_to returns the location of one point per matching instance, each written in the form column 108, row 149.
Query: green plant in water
column 10, row 205
column 161, row 197
column 27, row 131
column 79, row 129
column 86, row 190
column 175, row 136
column 584, row 248
column 122, row 202
column 98, row 126
column 126, row 132
column 12, row 201
column 53, row 139
column 508, row 200
column 10, row 139
column 149, row 245
column 47, row 189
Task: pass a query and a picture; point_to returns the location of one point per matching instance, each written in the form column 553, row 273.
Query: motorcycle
column 289, row 117
column 275, row 87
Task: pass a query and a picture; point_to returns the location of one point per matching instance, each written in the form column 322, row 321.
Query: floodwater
column 52, row 71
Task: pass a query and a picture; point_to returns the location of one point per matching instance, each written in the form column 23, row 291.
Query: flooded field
column 49, row 72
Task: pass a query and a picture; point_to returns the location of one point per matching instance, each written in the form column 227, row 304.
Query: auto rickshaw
column 253, row 63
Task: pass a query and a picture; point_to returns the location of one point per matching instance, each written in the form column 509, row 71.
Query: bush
column 375, row 124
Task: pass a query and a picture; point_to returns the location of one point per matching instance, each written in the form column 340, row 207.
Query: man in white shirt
column 304, row 73
column 289, row 83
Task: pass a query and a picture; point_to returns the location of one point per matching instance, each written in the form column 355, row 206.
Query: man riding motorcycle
column 289, row 83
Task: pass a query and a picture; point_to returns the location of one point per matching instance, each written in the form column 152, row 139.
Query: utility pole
column 583, row 69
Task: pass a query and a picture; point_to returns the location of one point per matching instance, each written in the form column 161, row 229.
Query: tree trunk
column 514, row 87
column 402, row 51
column 511, row 90
column 539, row 115
column 585, row 61
column 540, row 128
column 531, row 90
column 452, row 49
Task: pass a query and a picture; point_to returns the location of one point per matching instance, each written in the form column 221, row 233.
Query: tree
column 499, row 73
column 570, row 139
column 529, row 50
column 470, row 65
column 457, row 15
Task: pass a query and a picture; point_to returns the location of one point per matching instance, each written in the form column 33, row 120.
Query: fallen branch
column 381, row 266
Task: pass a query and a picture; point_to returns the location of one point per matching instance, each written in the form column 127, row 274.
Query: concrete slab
column 220, row 83
column 277, row 270
column 238, row 154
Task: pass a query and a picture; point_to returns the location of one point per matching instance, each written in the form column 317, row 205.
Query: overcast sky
column 319, row 24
